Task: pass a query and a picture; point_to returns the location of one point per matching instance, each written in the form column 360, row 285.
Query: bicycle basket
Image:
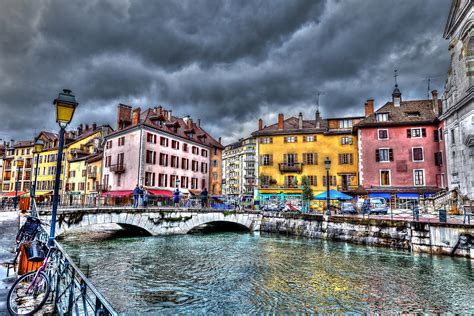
column 35, row 251
column 31, row 226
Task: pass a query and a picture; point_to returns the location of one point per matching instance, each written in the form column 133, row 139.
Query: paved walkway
column 8, row 230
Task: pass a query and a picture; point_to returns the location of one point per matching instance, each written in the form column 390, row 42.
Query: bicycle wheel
column 24, row 301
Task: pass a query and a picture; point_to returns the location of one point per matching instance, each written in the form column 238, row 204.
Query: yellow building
column 293, row 148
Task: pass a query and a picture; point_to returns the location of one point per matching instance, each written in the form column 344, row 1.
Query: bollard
column 442, row 215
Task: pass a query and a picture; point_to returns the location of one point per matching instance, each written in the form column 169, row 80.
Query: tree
column 307, row 191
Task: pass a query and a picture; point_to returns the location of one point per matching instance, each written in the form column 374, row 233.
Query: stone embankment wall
column 434, row 238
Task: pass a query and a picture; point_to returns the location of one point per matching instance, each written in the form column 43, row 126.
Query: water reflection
column 248, row 273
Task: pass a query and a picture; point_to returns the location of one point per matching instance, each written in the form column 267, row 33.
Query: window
column 290, row 159
column 453, row 137
column 267, row 160
column 162, row 180
column 346, row 140
column 164, row 141
column 309, row 138
column 108, row 145
column 203, row 183
column 108, row 161
column 173, row 179
column 438, row 158
column 195, row 150
column 416, row 132
column 194, row 183
column 332, row 180
column 84, row 173
column 381, row 117
column 184, row 182
column 184, row 163
column 72, row 174
column 436, row 135
column 313, row 180
column 290, row 139
column 310, row 159
column 163, row 160
column 150, row 157
column 384, row 177
column 266, row 140
column 384, row 155
column 419, row 177
column 150, row 179
column 194, row 166
column 203, row 167
column 345, row 159
column 214, row 176
column 383, row 133
column 120, row 159
column 203, row 152
column 151, row 138
column 174, row 161
column 345, row 123
column 417, row 154
column 174, row 144
column 215, row 163
column 185, row 147
column 119, row 179
column 440, row 133
column 121, row 141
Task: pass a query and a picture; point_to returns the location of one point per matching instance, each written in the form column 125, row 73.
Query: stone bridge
column 154, row 221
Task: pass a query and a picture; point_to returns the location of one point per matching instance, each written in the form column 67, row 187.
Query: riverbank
column 8, row 230
column 425, row 237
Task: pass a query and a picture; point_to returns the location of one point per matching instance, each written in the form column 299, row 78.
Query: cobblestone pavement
column 8, row 230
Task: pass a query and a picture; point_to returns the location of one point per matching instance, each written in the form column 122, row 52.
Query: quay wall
column 433, row 238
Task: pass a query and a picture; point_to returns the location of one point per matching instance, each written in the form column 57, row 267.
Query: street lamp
column 327, row 165
column 19, row 165
column 39, row 144
column 65, row 106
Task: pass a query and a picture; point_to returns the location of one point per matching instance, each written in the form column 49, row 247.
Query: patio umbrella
column 333, row 195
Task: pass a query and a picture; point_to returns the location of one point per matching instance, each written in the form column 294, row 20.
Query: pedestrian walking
column 136, row 196
column 176, row 197
column 204, row 195
column 145, row 197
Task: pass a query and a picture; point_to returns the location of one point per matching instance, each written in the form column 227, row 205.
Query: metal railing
column 118, row 168
column 296, row 167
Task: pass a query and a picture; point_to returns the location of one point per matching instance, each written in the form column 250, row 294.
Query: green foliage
column 307, row 191
column 226, row 213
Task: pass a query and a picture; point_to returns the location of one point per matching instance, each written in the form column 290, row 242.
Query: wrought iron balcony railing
column 119, row 168
column 347, row 188
column 92, row 174
column 291, row 168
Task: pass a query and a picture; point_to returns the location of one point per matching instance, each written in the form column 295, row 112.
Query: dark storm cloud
column 226, row 62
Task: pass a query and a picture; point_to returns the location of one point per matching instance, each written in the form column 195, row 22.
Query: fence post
column 71, row 293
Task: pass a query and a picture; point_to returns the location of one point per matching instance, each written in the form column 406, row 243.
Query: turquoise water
column 245, row 273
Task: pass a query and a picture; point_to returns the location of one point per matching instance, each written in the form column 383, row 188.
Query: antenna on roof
column 429, row 80
column 395, row 76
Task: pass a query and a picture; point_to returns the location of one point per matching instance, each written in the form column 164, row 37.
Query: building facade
column 239, row 168
column 158, row 150
column 401, row 149
column 295, row 147
column 458, row 111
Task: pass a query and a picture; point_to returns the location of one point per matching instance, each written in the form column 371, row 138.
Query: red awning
column 117, row 193
column 11, row 194
column 161, row 192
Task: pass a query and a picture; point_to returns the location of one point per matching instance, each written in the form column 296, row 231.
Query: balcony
column 291, row 168
column 92, row 174
column 347, row 188
column 119, row 168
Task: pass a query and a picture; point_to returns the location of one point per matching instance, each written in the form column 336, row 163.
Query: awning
column 380, row 194
column 117, row 193
column 39, row 193
column 12, row 194
column 195, row 192
column 160, row 192
column 333, row 195
column 408, row 195
column 429, row 194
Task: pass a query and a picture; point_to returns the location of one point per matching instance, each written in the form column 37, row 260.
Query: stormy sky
column 225, row 62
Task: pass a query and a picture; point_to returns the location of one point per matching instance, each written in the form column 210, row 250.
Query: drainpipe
column 140, row 164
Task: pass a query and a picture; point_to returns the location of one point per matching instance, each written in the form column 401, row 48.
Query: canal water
column 254, row 273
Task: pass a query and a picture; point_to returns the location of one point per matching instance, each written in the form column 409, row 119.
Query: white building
column 238, row 160
column 458, row 112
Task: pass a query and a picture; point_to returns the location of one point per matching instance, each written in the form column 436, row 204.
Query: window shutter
column 351, row 160
column 377, row 155
column 260, row 160
column 286, row 181
column 340, row 158
column 296, row 158
column 350, row 140
column 304, row 138
column 296, row 139
column 390, row 154
column 409, row 133
column 315, row 158
column 324, row 181
column 285, row 159
column 285, row 139
column 423, row 132
column 436, row 135
column 436, row 159
column 305, row 159
column 270, row 158
column 154, row 157
column 271, row 140
column 334, row 182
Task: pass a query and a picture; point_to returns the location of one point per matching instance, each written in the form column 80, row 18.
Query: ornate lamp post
column 327, row 165
column 39, row 144
column 65, row 106
column 19, row 166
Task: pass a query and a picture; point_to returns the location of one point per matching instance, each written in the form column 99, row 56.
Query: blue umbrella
column 333, row 195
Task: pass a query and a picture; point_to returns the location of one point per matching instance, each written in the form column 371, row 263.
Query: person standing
column 136, row 196
column 204, row 194
column 145, row 197
column 176, row 197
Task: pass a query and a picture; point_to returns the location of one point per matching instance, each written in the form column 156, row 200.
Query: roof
column 292, row 125
column 23, row 143
column 399, row 115
column 94, row 157
column 88, row 133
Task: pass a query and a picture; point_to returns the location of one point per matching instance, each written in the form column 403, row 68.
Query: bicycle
column 29, row 293
column 27, row 232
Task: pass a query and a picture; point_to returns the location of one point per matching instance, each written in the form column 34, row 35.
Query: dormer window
column 413, row 114
column 382, row 117
column 345, row 123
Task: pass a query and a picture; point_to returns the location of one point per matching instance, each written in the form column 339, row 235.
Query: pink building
column 157, row 150
column 401, row 149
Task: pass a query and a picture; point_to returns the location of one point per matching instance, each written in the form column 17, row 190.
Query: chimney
column 300, row 121
column 369, row 107
column 318, row 119
column 124, row 115
column 87, row 127
column 260, row 124
column 169, row 115
column 281, row 120
column 136, row 116
column 435, row 103
column 94, row 126
column 199, row 122
column 79, row 130
column 220, row 140
column 190, row 122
